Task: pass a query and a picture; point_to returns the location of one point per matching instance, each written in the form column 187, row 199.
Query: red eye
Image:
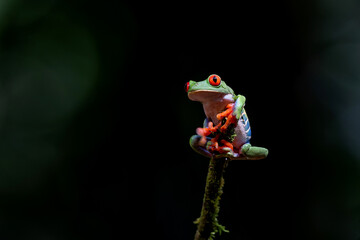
column 214, row 80
column 187, row 85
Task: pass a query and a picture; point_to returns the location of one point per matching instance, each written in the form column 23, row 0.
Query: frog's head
column 210, row 89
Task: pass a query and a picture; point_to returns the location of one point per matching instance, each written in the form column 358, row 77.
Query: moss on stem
column 207, row 223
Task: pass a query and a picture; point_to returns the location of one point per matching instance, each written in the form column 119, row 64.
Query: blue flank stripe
column 246, row 122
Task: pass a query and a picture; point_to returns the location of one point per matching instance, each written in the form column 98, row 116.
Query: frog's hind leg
column 198, row 146
column 252, row 152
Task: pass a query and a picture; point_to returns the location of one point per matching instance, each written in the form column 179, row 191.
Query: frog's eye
column 187, row 85
column 214, row 80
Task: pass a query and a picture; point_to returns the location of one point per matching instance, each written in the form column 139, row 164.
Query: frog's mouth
column 208, row 96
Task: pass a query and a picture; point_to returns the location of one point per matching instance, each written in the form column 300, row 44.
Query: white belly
column 241, row 137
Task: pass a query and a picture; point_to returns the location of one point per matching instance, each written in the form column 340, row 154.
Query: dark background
column 95, row 123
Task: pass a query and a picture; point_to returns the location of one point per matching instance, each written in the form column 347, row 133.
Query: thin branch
column 207, row 223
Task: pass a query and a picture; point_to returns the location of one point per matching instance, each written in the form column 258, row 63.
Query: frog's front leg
column 239, row 105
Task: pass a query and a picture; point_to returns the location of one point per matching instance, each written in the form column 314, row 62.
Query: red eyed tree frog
column 226, row 121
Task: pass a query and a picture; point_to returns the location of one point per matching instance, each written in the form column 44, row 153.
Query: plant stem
column 207, row 222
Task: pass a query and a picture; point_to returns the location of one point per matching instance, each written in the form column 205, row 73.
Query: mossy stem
column 207, row 222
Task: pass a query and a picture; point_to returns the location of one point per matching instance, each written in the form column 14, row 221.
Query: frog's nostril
column 187, row 85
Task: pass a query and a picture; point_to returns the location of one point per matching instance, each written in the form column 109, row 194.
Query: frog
column 226, row 120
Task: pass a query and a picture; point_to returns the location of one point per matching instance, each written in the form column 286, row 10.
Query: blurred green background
column 94, row 121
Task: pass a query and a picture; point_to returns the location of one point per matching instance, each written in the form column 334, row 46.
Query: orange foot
column 204, row 132
column 223, row 147
column 213, row 144
column 227, row 114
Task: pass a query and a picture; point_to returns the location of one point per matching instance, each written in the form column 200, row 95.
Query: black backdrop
column 114, row 162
